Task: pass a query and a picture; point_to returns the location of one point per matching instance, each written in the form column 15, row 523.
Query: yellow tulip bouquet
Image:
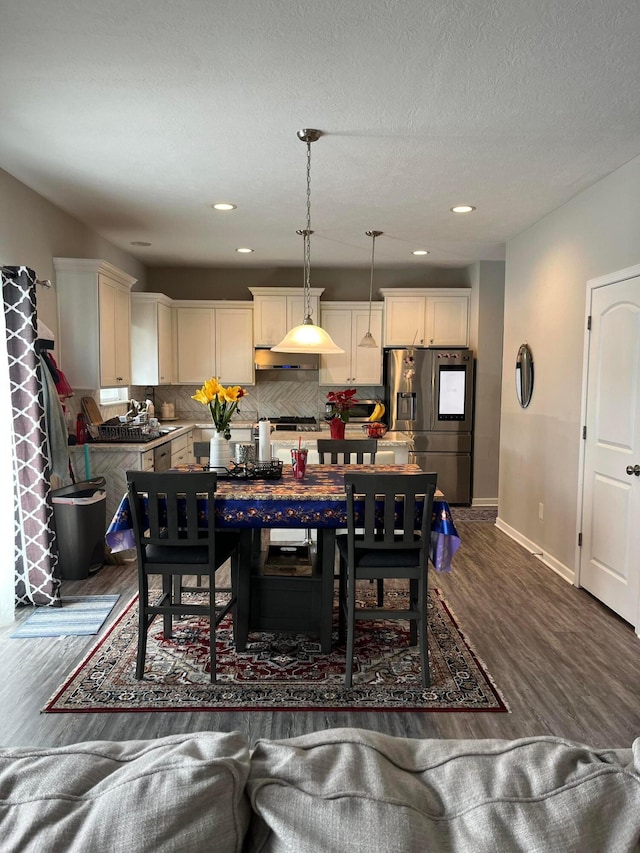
column 222, row 402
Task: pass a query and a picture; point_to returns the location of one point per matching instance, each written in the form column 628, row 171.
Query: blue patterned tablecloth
column 318, row 501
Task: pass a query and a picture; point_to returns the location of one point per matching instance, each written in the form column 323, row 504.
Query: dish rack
column 128, row 432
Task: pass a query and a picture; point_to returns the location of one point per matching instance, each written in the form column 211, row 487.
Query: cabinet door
column 165, row 356
column 447, row 321
column 234, row 346
column 366, row 363
column 336, row 369
column 108, row 320
column 270, row 324
column 404, row 321
column 123, row 337
column 296, row 310
column 196, row 353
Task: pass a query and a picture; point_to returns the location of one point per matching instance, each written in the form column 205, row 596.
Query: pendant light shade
column 308, row 338
column 368, row 340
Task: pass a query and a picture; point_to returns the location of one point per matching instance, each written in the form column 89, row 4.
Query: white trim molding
column 536, row 551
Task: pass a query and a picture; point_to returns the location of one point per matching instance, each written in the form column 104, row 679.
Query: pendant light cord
column 307, row 240
column 373, row 251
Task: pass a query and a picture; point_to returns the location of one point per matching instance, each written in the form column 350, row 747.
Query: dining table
column 298, row 602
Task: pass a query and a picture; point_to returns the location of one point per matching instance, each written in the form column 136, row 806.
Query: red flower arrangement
column 341, row 402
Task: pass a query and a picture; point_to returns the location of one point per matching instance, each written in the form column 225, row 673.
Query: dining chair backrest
column 347, row 451
column 171, row 517
column 390, row 500
column 201, row 450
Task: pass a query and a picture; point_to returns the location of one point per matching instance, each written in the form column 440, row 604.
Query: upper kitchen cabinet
column 215, row 339
column 347, row 323
column 278, row 309
column 94, row 322
column 426, row 318
column 151, row 342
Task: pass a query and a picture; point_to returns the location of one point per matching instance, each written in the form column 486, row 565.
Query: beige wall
column 33, row 232
column 547, row 268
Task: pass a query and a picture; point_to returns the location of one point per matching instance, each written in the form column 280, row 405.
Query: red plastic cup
column 299, row 463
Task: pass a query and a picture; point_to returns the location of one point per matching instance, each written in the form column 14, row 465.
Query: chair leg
column 380, row 592
column 212, row 625
column 142, row 630
column 351, row 621
column 414, row 595
column 342, row 600
column 422, row 631
column 167, row 619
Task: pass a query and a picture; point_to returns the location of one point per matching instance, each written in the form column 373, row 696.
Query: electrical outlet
column 541, row 511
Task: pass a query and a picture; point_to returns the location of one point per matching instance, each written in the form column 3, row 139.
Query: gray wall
column 33, row 232
column 547, row 268
column 486, row 318
column 339, row 283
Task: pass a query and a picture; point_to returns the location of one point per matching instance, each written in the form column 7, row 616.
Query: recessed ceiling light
column 224, row 205
column 139, row 243
column 420, row 252
column 462, row 208
column 244, row 251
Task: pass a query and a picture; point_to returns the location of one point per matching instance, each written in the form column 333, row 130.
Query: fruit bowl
column 375, row 429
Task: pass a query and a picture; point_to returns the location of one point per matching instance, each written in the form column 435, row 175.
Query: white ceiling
column 136, row 115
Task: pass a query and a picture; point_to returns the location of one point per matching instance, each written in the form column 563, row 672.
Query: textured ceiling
column 136, row 115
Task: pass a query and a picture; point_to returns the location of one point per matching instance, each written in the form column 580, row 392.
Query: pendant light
column 368, row 340
column 308, row 337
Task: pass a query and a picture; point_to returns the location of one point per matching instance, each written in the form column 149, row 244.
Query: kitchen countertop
column 180, row 427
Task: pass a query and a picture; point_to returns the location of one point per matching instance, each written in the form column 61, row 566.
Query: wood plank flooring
column 566, row 665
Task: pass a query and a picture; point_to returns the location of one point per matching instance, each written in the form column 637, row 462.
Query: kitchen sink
column 165, row 430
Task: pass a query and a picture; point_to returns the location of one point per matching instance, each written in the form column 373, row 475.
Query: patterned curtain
column 36, row 557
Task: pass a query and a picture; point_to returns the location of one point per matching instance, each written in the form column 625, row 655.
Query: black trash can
column 80, row 516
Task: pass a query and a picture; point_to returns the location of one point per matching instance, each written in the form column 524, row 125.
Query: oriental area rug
column 279, row 672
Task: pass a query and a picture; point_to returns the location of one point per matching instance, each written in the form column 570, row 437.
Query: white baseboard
column 555, row 565
column 484, row 502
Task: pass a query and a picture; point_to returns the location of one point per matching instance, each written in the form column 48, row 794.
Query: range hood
column 284, row 362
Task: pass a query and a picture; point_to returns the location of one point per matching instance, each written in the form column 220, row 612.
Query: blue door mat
column 80, row 615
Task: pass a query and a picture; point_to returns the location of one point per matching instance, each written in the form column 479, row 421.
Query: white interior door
column 610, row 554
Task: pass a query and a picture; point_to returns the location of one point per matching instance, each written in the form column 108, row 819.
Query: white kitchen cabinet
column 426, row 318
column 151, row 344
column 234, row 345
column 182, row 449
column 347, row 323
column 94, row 322
column 215, row 339
column 278, row 309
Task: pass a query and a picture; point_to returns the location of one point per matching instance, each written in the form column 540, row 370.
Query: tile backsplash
column 265, row 399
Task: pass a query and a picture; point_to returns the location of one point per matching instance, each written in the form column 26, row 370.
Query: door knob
column 633, row 469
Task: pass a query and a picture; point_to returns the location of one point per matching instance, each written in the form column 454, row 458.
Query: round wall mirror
column 524, row 375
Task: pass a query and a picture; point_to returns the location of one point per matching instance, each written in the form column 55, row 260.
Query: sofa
column 337, row 790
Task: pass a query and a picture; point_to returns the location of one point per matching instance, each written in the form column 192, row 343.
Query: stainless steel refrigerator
column 429, row 398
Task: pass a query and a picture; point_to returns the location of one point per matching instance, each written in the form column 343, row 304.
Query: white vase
column 220, row 451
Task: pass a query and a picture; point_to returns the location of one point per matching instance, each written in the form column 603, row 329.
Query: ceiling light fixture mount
column 308, row 338
column 368, row 340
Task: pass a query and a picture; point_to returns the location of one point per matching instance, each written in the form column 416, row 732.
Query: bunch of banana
column 377, row 413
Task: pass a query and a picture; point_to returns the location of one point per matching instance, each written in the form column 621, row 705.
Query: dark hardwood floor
column 566, row 665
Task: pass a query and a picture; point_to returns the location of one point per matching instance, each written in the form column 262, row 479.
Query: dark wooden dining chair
column 383, row 544
column 176, row 544
column 347, row 451
column 201, row 450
